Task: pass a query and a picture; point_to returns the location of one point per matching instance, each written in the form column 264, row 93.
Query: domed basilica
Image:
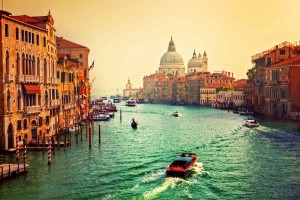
column 171, row 63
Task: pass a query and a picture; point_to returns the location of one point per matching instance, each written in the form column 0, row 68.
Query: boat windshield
column 181, row 163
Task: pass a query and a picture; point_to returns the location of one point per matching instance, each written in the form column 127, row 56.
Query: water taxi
column 182, row 165
column 175, row 114
column 251, row 123
column 130, row 103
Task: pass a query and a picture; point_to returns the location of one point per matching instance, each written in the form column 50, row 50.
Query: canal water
column 235, row 162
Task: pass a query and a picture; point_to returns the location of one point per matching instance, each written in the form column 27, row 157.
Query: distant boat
column 101, row 117
column 251, row 123
column 117, row 100
column 175, row 114
column 134, row 124
column 130, row 103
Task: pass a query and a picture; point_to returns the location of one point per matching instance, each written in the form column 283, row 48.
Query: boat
column 182, row 165
column 134, row 124
column 251, row 123
column 101, row 117
column 117, row 100
column 130, row 103
column 175, row 114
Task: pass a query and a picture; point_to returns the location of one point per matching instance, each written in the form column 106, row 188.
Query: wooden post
column 99, row 131
column 17, row 152
column 65, row 139
column 37, row 142
column 49, row 151
column 90, row 138
column 81, row 132
column 76, row 132
column 120, row 114
column 86, row 127
column 9, row 170
column 58, row 140
column 2, row 172
column 53, row 142
column 43, row 143
column 24, row 156
column 70, row 137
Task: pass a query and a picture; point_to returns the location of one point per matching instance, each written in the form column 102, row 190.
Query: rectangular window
column 26, row 36
column 29, row 37
column 44, row 41
column 6, row 30
column 37, row 40
column 57, row 74
column 17, row 33
column 40, row 121
column 19, row 125
column 47, row 120
column 25, row 123
column 269, row 61
column 63, row 77
column 80, row 55
column 23, row 38
column 32, row 38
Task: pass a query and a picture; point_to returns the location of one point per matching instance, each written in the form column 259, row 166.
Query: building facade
column 131, row 92
column 29, row 104
column 273, row 83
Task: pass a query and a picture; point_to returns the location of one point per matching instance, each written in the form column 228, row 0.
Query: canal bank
column 235, row 161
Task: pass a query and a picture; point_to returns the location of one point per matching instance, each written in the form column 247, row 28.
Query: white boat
column 175, row 114
column 251, row 123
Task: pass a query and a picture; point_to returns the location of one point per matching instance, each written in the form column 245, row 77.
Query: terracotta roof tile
column 295, row 60
column 66, row 44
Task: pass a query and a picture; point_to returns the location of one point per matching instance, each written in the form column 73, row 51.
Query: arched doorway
column 10, row 134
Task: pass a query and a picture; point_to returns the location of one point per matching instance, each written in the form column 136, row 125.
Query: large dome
column 171, row 58
column 171, row 63
column 195, row 62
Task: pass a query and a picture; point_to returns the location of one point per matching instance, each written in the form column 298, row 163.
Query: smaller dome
column 195, row 62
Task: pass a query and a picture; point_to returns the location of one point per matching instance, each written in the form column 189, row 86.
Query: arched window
column 38, row 67
column 39, row 100
column 29, row 65
column 45, row 69
column 33, row 66
column 23, row 64
column 8, row 101
column 46, row 99
column 18, row 64
column 7, row 62
column 26, row 62
column 19, row 100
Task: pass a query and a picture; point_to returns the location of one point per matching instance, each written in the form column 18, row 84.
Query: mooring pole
column 99, row 131
column 90, row 138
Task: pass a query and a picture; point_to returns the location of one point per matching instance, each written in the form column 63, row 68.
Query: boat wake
column 171, row 182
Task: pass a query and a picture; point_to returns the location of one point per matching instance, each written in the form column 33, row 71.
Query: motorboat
column 182, row 165
column 101, row 117
column 175, row 114
column 117, row 100
column 134, row 124
column 130, row 103
column 251, row 123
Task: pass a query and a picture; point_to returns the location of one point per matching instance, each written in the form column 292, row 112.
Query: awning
column 32, row 89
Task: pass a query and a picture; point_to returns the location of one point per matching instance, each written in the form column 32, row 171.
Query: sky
column 127, row 38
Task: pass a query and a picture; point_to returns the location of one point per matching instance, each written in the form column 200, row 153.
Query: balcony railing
column 20, row 78
column 273, row 82
column 31, row 79
column 41, row 79
column 9, row 78
column 54, row 81
column 47, row 80
column 54, row 102
column 33, row 109
column 69, row 106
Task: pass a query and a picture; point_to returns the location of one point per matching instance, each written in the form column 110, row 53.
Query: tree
column 251, row 75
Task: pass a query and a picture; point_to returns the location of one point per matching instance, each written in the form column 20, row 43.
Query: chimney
column 228, row 74
column 232, row 75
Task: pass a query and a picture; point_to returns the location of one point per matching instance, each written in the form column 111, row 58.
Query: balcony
column 47, row 80
column 273, row 82
column 33, row 109
column 9, row 78
column 20, row 78
column 55, row 102
column 69, row 106
column 54, row 81
column 41, row 79
column 31, row 79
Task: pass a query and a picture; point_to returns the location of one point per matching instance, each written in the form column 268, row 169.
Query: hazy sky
column 127, row 38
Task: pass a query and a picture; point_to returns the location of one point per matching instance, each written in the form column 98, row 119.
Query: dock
column 11, row 170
